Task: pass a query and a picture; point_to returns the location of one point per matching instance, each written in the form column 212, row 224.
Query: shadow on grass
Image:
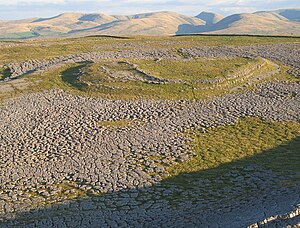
column 4, row 73
column 235, row 207
column 71, row 76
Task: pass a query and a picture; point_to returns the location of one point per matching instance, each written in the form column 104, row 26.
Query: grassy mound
column 192, row 80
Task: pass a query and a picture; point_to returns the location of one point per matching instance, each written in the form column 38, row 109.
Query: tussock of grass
column 4, row 73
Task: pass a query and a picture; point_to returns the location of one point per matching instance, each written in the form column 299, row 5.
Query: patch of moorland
column 248, row 137
column 49, row 48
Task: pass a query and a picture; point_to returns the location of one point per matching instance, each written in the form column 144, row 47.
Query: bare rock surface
column 291, row 219
column 52, row 139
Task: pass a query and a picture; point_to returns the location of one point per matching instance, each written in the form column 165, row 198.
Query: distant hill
column 278, row 22
column 266, row 23
column 160, row 23
column 290, row 14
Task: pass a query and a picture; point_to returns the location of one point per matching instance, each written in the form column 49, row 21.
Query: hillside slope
column 267, row 23
column 69, row 24
column 160, row 23
column 290, row 14
column 278, row 22
column 210, row 18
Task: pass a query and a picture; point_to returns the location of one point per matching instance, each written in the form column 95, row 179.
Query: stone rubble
column 51, row 138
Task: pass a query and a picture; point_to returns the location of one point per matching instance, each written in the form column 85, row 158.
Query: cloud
column 24, row 2
column 191, row 2
column 232, row 10
column 13, row 9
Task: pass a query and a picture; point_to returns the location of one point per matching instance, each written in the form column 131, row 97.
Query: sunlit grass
column 251, row 141
column 196, row 69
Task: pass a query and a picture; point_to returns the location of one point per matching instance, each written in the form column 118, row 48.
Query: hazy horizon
column 20, row 9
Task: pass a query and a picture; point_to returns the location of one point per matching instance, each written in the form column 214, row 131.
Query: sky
column 18, row 9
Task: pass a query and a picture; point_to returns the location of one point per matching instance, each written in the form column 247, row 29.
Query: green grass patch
column 251, row 145
column 65, row 77
column 251, row 141
column 196, row 69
